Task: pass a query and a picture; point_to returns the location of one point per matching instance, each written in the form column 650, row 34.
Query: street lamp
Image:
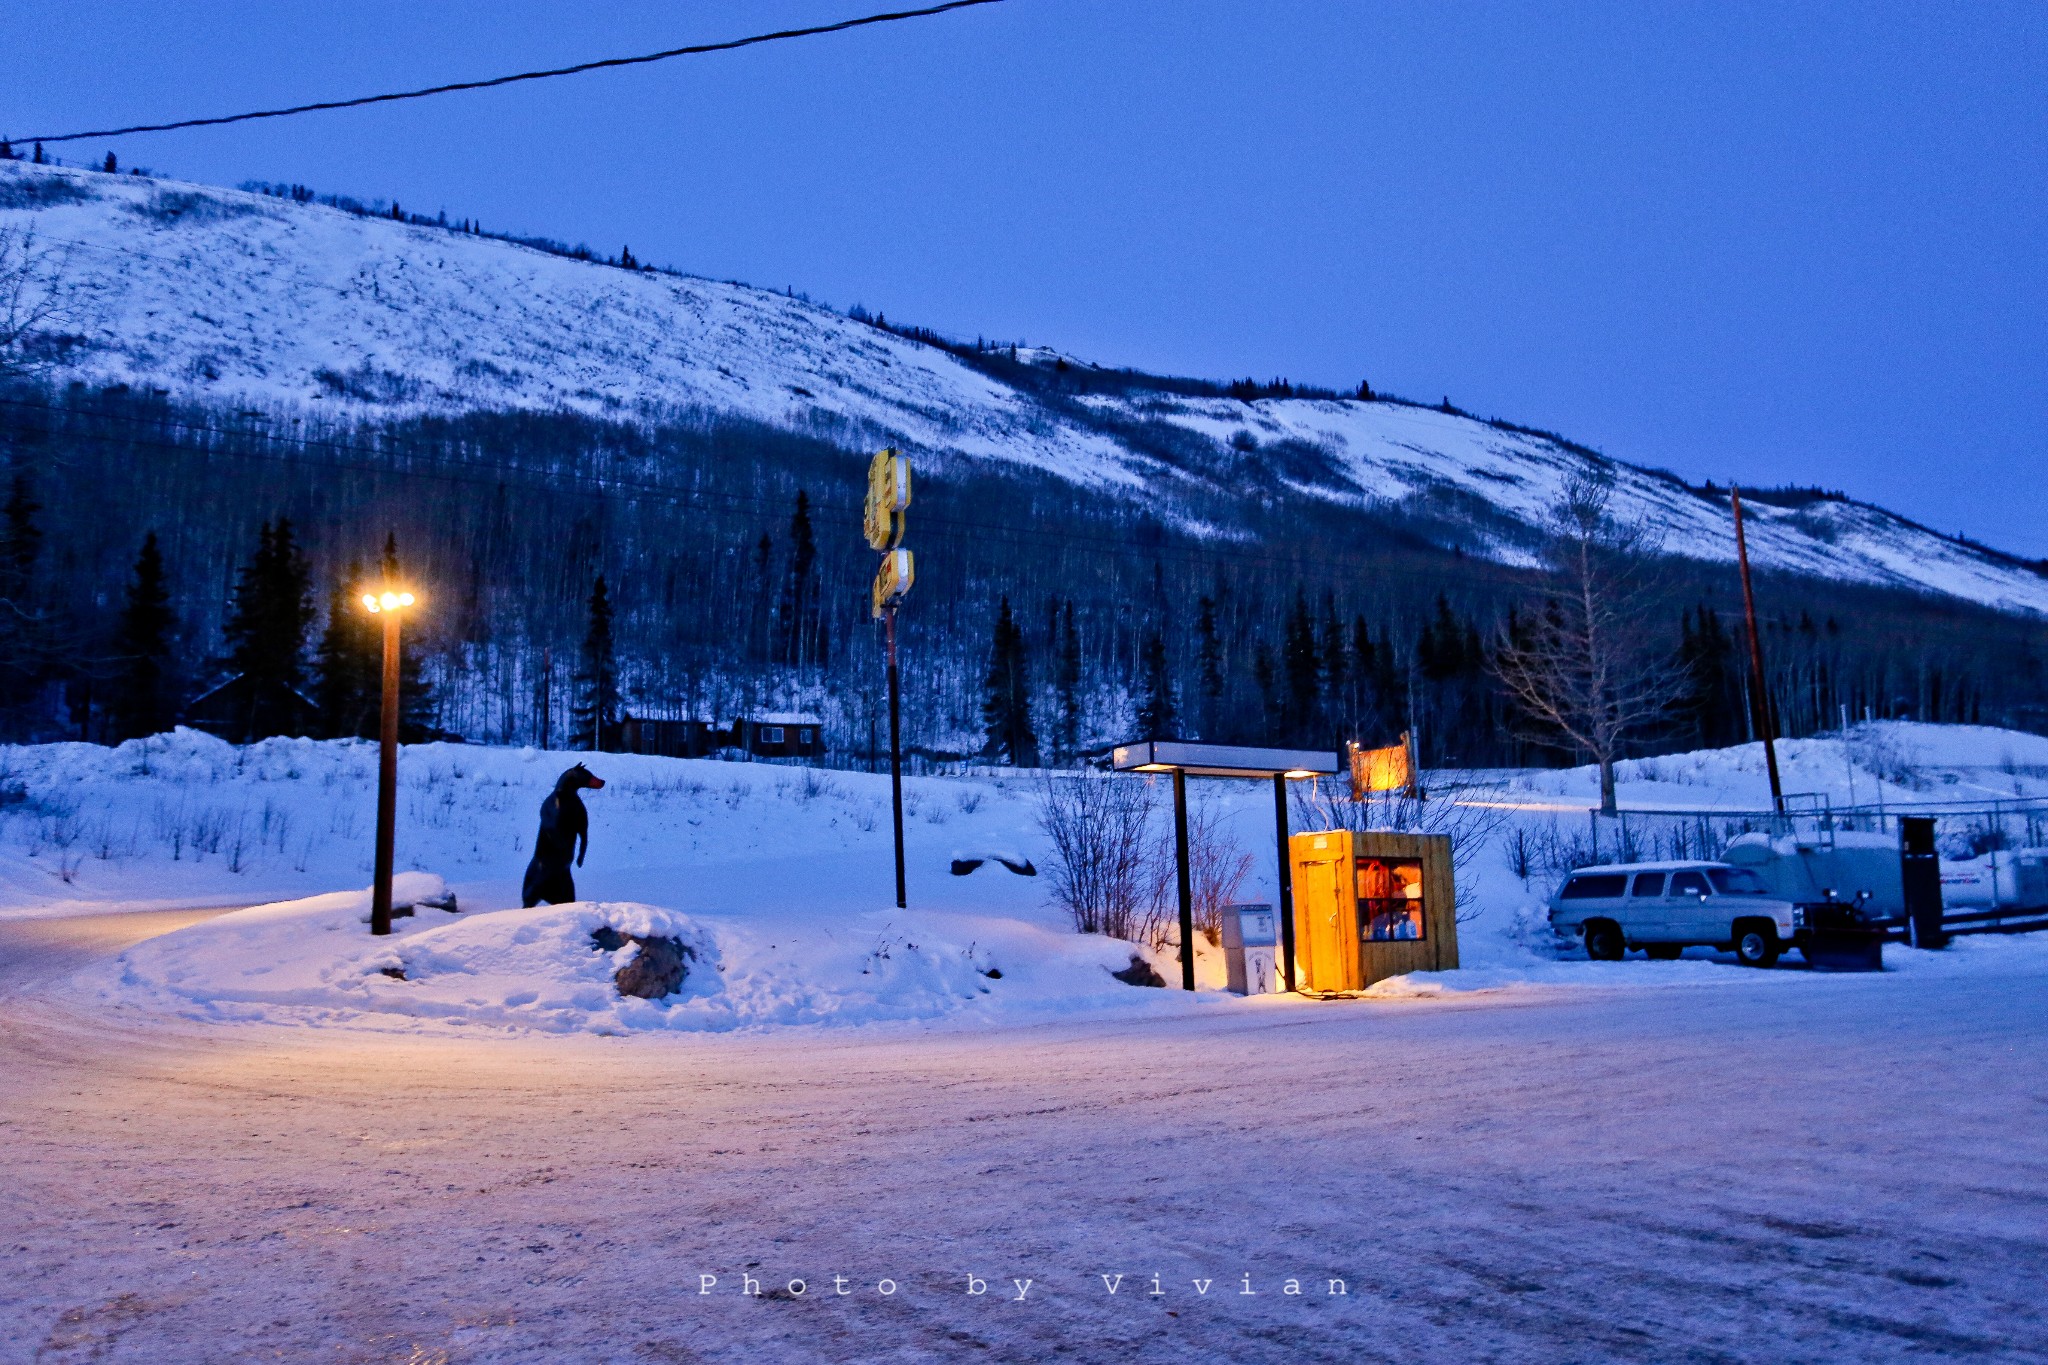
column 386, row 604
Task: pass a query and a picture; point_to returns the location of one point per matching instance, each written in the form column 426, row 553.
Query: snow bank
column 312, row 961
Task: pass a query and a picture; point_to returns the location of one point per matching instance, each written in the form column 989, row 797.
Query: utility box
column 1251, row 938
column 1368, row 906
column 1920, row 878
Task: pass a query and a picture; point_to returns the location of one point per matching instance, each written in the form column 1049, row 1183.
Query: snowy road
column 1655, row 1175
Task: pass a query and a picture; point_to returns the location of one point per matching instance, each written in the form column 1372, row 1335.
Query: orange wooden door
column 1326, row 913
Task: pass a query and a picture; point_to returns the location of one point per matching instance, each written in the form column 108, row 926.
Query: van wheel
column 1756, row 945
column 1665, row 952
column 1604, row 942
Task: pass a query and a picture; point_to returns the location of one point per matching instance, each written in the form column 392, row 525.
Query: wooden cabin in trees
column 780, row 734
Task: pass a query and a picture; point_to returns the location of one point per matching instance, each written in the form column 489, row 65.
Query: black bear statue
column 564, row 836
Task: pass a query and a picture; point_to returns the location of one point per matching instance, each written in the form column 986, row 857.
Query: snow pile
column 312, row 961
column 234, row 297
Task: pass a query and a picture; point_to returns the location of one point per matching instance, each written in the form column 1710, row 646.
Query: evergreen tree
column 1375, row 683
column 142, row 644
column 1301, row 662
column 799, row 634
column 346, row 663
column 1158, row 713
column 266, row 633
column 597, row 682
column 1267, row 679
column 1440, row 648
column 1067, row 683
column 1709, row 707
column 1336, row 672
column 415, row 694
column 24, row 626
column 21, row 541
column 1208, row 669
column 1006, row 695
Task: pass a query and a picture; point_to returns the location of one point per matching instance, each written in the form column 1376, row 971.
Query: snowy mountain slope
column 1387, row 452
column 244, row 298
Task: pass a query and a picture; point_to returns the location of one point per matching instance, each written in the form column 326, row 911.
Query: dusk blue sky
column 1782, row 243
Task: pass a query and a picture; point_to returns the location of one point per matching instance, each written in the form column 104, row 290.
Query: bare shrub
column 1882, row 756
column 1217, row 867
column 1471, row 825
column 34, row 300
column 1102, row 870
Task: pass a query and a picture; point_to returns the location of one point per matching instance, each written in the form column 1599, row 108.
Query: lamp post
column 386, row 604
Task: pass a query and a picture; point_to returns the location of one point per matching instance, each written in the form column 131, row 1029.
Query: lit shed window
column 1390, row 899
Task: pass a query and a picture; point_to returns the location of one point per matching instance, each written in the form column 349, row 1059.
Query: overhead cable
column 696, row 49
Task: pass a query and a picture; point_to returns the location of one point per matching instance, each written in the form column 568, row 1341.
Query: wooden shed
column 692, row 738
column 780, row 735
column 1368, row 906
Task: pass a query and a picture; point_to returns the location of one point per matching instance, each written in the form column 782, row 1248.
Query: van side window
column 1649, row 884
column 1599, row 886
column 1688, row 884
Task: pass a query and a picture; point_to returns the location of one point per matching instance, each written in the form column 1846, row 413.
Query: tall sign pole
column 895, row 753
column 1760, row 702
column 887, row 503
column 387, row 604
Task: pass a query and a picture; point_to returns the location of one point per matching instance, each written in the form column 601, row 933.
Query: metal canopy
column 1221, row 760
column 1183, row 760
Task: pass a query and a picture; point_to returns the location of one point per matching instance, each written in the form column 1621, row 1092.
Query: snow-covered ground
column 1787, row 1168
column 778, row 879
column 234, row 297
column 230, row 1137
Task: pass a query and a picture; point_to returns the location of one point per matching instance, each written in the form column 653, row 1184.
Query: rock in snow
column 656, row 968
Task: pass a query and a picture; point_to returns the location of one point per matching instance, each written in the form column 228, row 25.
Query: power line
column 696, row 49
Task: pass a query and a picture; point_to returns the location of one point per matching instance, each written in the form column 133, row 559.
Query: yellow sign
column 892, row 580
column 1381, row 770
column 888, row 499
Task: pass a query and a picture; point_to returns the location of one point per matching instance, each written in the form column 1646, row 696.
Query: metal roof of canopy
column 1221, row 760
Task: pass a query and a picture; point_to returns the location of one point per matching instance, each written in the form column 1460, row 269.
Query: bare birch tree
column 32, row 298
column 1586, row 664
column 1100, row 871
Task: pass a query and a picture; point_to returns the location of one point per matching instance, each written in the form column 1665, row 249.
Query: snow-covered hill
column 249, row 299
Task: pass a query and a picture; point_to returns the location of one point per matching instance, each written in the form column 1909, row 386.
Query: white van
column 1664, row 908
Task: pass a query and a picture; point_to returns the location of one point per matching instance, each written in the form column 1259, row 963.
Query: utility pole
column 887, row 502
column 1760, row 698
column 1182, row 885
column 895, row 755
column 387, row 605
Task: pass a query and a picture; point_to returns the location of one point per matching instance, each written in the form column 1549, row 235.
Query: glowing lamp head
column 374, row 602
